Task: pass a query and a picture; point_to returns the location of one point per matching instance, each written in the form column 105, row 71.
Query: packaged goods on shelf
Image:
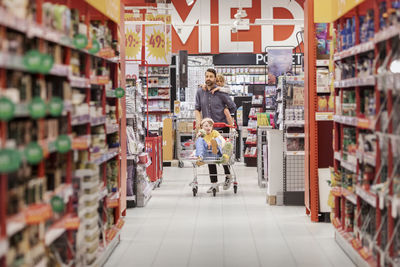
column 64, row 123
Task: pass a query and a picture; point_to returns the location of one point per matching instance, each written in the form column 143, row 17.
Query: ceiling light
column 241, row 13
column 189, row 2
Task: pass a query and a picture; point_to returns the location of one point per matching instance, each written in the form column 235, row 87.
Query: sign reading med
column 205, row 27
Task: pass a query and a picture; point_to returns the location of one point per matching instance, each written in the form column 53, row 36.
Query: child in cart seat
column 210, row 144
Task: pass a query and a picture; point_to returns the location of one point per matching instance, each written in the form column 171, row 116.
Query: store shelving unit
column 51, row 202
column 136, row 135
column 318, row 124
column 239, row 78
column 293, row 141
column 159, row 97
column 366, row 141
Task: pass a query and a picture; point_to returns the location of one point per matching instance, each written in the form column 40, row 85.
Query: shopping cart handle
column 223, row 125
column 219, row 125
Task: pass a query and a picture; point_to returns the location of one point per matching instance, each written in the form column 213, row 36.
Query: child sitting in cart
column 210, row 145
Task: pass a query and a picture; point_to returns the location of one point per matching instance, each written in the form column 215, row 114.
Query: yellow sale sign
column 158, row 44
column 133, row 41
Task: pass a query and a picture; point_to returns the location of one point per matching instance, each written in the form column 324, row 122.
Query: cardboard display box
column 168, row 139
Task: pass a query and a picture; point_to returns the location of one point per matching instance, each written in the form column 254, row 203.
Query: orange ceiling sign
column 205, row 27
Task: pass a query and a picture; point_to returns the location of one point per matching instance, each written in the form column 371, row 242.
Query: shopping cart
column 229, row 137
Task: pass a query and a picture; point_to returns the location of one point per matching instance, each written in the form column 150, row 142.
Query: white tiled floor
column 176, row 229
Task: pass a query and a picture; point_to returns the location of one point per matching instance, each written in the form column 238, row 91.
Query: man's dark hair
column 212, row 71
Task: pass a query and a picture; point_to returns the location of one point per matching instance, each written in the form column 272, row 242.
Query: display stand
column 71, row 126
column 270, row 165
column 293, row 127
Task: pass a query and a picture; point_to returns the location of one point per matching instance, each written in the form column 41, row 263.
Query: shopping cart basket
column 229, row 137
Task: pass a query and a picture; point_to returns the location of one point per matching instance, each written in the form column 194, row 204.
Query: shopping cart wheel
column 194, row 191
column 180, row 164
column 235, row 189
column 214, row 192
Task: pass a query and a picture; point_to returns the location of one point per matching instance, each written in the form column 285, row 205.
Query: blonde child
column 209, row 145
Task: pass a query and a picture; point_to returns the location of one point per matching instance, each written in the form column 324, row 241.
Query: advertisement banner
column 158, row 44
column 133, row 39
column 280, row 61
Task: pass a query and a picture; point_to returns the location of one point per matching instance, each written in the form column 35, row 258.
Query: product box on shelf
column 168, row 140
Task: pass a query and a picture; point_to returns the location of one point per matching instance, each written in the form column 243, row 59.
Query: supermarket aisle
column 176, row 229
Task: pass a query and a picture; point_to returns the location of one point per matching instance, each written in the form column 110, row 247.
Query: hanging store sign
column 205, row 27
column 133, row 40
column 280, row 61
column 250, row 59
column 158, row 44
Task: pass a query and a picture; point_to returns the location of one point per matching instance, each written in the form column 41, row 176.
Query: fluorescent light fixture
column 189, row 2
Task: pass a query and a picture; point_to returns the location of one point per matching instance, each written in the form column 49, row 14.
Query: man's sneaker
column 210, row 190
column 214, row 146
column 228, row 182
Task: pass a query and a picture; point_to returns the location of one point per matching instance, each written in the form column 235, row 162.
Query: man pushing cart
column 216, row 105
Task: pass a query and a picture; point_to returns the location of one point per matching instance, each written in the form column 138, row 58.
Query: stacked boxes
column 86, row 184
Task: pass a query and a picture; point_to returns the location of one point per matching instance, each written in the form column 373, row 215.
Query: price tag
column 72, row 223
column 10, row 160
column 56, row 106
column 57, row 204
column 95, row 47
column 38, row 213
column 63, row 144
column 80, row 41
column 7, row 109
column 37, row 108
column 119, row 92
column 33, row 153
column 46, row 63
column 33, row 60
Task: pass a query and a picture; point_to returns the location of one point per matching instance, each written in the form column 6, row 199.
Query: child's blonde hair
column 221, row 77
column 207, row 120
